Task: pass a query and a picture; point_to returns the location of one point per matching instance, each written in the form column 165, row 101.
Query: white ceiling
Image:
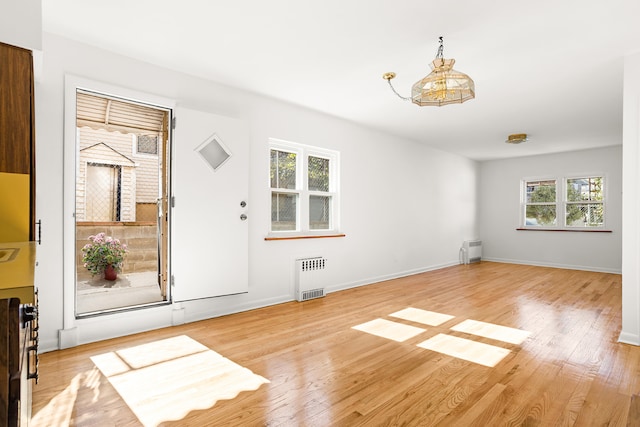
column 548, row 68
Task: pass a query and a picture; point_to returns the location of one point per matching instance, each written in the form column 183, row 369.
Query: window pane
column 580, row 189
column 542, row 215
column 147, row 144
column 541, row 191
column 319, row 212
column 283, row 211
column 585, row 215
column 283, row 169
column 318, row 174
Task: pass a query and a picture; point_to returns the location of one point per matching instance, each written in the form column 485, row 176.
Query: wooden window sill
column 581, row 230
column 115, row 223
column 323, row 236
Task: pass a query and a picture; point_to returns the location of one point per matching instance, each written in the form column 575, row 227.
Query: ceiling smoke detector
column 516, row 138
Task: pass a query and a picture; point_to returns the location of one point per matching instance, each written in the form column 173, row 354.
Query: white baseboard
column 67, row 338
column 206, row 308
column 177, row 316
column 555, row 265
column 45, row 346
column 104, row 327
column 627, row 338
column 377, row 279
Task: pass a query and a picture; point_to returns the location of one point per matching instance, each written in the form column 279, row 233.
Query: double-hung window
column 540, row 204
column 566, row 204
column 304, row 189
column 584, row 202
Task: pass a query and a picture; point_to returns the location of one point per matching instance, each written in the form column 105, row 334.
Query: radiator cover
column 310, row 278
column 471, row 251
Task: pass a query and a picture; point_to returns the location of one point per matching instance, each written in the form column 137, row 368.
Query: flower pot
column 110, row 273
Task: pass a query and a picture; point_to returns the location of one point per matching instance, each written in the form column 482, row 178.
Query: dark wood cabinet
column 18, row 332
column 17, row 120
column 18, row 361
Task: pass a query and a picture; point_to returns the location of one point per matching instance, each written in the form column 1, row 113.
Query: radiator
column 310, row 273
column 471, row 251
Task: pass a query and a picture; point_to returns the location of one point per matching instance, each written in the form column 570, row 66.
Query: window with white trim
column 569, row 203
column 304, row 189
column 584, row 205
column 540, row 203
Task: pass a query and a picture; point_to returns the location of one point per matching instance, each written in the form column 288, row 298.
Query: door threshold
column 121, row 309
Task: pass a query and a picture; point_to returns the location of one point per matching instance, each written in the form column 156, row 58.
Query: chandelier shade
column 442, row 86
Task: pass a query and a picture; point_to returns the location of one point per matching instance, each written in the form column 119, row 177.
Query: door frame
column 72, row 84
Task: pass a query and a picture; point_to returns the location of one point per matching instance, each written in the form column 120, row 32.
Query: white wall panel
column 499, row 195
column 405, row 208
column 21, row 23
column 631, row 206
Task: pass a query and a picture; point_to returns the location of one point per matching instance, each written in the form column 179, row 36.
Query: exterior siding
column 139, row 179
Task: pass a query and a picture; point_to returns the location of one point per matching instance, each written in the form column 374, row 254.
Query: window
column 147, row 144
column 585, row 203
column 569, row 203
column 540, row 203
column 304, row 189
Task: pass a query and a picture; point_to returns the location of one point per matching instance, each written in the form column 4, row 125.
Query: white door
column 209, row 235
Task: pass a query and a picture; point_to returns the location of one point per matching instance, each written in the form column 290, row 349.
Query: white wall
column 500, row 203
column 405, row 208
column 631, row 210
column 21, row 23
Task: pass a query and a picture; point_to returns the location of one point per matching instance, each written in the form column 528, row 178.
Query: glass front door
column 121, row 226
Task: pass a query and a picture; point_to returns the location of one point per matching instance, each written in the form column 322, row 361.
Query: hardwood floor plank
column 633, row 418
column 569, row 371
column 480, row 407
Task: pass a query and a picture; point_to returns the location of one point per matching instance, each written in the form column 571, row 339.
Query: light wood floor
column 569, row 371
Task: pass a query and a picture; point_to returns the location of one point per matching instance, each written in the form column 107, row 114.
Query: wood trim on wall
column 305, row 237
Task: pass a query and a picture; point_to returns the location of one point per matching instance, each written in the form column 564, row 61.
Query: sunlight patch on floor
column 60, row 408
column 472, row 351
column 490, row 330
column 426, row 317
column 166, row 379
column 388, row 329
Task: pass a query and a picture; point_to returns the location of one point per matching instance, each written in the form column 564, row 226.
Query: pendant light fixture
column 442, row 86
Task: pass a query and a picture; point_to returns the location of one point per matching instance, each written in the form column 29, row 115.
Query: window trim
column 602, row 202
column 303, row 152
column 562, row 202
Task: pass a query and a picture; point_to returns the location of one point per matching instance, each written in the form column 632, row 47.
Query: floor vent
column 310, row 273
column 314, row 293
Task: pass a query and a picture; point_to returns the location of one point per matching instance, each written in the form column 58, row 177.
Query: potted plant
column 104, row 255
